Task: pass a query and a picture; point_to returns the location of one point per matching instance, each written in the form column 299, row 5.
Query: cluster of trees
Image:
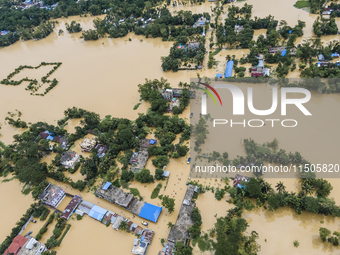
column 57, row 231
column 44, row 228
column 32, row 86
column 313, row 196
column 257, row 154
column 230, row 235
column 90, row 35
column 325, row 26
column 195, row 229
column 74, row 27
column 326, row 236
column 182, row 56
column 168, row 203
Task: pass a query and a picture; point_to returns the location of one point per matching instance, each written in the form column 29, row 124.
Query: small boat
column 34, row 221
column 145, row 223
column 30, row 232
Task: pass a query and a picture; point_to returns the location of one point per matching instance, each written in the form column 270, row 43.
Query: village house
column 87, row 145
column 174, row 102
column 260, row 70
column 139, row 159
column 16, row 245
column 193, row 45
column 276, row 49
column 169, row 94
column 52, row 195
column 140, row 246
column 239, row 179
column 55, row 138
column 71, row 207
column 101, row 149
column 69, row 159
column 238, row 28
column 200, row 22
column 25, row 246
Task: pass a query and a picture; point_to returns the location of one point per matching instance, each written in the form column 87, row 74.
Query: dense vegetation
column 118, row 134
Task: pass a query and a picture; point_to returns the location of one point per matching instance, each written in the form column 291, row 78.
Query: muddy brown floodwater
column 102, row 76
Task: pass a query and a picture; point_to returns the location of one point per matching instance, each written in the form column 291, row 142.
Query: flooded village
column 102, row 77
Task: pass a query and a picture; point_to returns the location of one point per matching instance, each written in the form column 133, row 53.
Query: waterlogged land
column 102, row 76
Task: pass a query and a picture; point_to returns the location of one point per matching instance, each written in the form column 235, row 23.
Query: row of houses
column 53, row 195
column 62, row 140
column 127, row 201
column 140, row 246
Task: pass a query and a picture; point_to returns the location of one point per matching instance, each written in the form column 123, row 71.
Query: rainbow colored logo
column 209, row 93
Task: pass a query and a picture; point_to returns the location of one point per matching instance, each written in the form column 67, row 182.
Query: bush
column 156, row 190
column 79, row 217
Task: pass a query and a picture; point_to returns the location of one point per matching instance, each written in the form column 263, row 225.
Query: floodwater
column 102, row 76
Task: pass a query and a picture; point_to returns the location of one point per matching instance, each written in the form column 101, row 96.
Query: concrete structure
column 169, row 94
column 127, row 201
column 180, row 231
column 87, row 145
column 139, row 160
column 259, row 71
column 71, row 207
column 32, row 247
column 52, row 195
column 69, row 159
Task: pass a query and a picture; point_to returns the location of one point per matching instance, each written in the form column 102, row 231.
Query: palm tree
column 124, row 226
column 170, row 224
column 280, row 187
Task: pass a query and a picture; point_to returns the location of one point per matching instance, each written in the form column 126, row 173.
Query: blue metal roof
column 283, row 53
column 97, row 213
column 107, row 185
column 219, row 75
column 150, row 212
column 229, row 69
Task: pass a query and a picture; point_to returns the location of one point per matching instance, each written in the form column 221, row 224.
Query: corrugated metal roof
column 85, row 206
column 97, row 212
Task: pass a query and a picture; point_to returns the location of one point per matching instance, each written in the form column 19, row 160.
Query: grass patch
column 156, row 190
column 302, row 4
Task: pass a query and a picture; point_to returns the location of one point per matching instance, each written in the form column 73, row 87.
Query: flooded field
column 102, row 76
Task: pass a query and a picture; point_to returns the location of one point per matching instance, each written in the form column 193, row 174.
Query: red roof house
column 16, row 245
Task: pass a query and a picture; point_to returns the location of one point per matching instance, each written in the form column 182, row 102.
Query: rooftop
column 180, row 231
column 88, row 144
column 71, row 207
column 52, row 195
